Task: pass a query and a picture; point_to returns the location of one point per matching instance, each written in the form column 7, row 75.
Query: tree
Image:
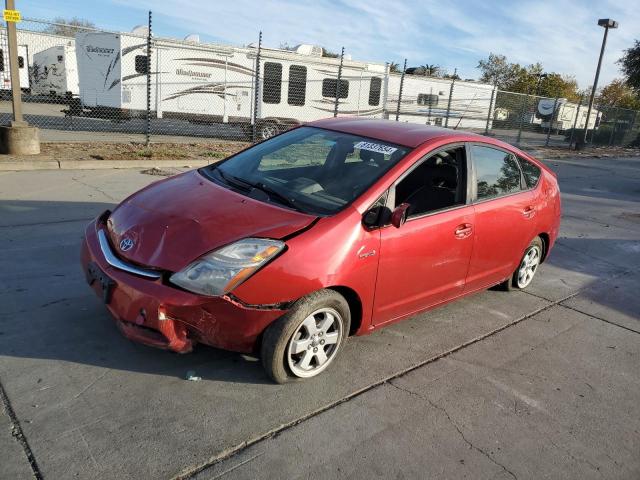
column 618, row 94
column 394, row 67
column 497, row 71
column 630, row 66
column 559, row 86
column 531, row 80
column 68, row 27
column 426, row 71
column 329, row 53
column 286, row 46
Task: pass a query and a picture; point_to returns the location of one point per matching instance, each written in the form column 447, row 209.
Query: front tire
column 304, row 342
column 527, row 268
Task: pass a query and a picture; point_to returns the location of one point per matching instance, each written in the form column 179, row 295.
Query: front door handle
column 464, row 230
column 529, row 211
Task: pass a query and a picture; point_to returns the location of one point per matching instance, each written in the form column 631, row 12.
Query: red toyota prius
column 332, row 229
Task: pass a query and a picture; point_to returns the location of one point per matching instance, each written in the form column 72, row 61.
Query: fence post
column 553, row 112
column 493, row 93
column 256, row 93
column 335, row 105
column 613, row 129
column 148, row 138
column 446, row 120
column 404, row 68
column 525, row 103
column 575, row 122
column 633, row 124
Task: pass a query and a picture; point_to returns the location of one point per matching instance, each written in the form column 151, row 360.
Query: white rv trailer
column 29, row 44
column 212, row 83
column 54, row 71
column 427, row 100
column 564, row 116
column 5, row 69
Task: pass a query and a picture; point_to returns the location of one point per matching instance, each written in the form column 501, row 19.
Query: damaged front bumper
column 150, row 311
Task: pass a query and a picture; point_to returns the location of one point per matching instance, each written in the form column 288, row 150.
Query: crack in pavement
column 18, row 434
column 455, row 425
column 234, row 450
column 610, row 322
column 97, row 189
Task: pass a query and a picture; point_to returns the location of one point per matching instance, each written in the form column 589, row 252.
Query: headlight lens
column 219, row 272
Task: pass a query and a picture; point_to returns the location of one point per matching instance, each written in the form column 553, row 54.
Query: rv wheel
column 268, row 130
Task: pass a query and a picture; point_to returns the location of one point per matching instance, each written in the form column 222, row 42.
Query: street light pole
column 607, row 23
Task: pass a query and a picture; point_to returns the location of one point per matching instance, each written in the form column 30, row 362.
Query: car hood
column 175, row 221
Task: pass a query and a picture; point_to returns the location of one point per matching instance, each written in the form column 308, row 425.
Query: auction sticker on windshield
column 375, row 147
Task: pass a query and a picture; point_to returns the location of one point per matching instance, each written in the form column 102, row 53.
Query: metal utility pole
column 335, row 106
column 16, row 93
column 404, row 69
column 17, row 138
column 607, row 23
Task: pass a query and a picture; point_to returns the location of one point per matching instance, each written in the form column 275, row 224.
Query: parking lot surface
column 537, row 384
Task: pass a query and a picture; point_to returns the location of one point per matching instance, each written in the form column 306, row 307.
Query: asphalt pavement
column 537, row 384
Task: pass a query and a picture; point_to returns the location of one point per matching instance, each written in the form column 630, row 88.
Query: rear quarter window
column 530, row 171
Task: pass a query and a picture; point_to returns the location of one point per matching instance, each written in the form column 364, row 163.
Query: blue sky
column 563, row 35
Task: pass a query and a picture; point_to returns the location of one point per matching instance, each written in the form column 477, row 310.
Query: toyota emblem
column 126, row 244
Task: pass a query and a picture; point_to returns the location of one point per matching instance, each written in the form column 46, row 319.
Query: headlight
column 219, row 272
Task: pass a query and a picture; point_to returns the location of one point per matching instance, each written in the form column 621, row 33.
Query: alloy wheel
column 528, row 267
column 314, row 344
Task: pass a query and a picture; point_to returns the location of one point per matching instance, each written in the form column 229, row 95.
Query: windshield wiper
column 230, row 179
column 275, row 194
column 247, row 185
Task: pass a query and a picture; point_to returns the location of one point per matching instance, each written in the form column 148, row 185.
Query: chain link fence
column 98, row 85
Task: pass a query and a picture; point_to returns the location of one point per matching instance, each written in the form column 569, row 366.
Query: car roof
column 400, row 133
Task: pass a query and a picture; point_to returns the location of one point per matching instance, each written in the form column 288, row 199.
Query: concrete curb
column 26, row 165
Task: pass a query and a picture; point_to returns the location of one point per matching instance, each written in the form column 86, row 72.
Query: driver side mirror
column 399, row 215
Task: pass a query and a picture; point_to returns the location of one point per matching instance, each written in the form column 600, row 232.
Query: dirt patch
column 132, row 151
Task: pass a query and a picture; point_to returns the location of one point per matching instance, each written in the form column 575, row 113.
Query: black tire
column 266, row 130
column 276, row 339
column 511, row 284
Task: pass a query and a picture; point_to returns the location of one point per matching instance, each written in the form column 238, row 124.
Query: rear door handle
column 529, row 211
column 463, row 230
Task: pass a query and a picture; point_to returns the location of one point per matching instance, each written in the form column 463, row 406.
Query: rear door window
column 530, row 172
column 497, row 172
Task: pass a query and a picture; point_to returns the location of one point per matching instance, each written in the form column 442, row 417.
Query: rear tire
column 527, row 267
column 304, row 342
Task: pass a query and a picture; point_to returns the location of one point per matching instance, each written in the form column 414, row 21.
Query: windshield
column 310, row 169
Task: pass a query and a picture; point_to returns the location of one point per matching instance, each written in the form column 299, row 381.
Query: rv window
column 272, row 82
column 374, row 91
column 297, row 85
column 1, row 60
column 141, row 63
column 20, row 62
column 428, row 99
column 329, row 88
